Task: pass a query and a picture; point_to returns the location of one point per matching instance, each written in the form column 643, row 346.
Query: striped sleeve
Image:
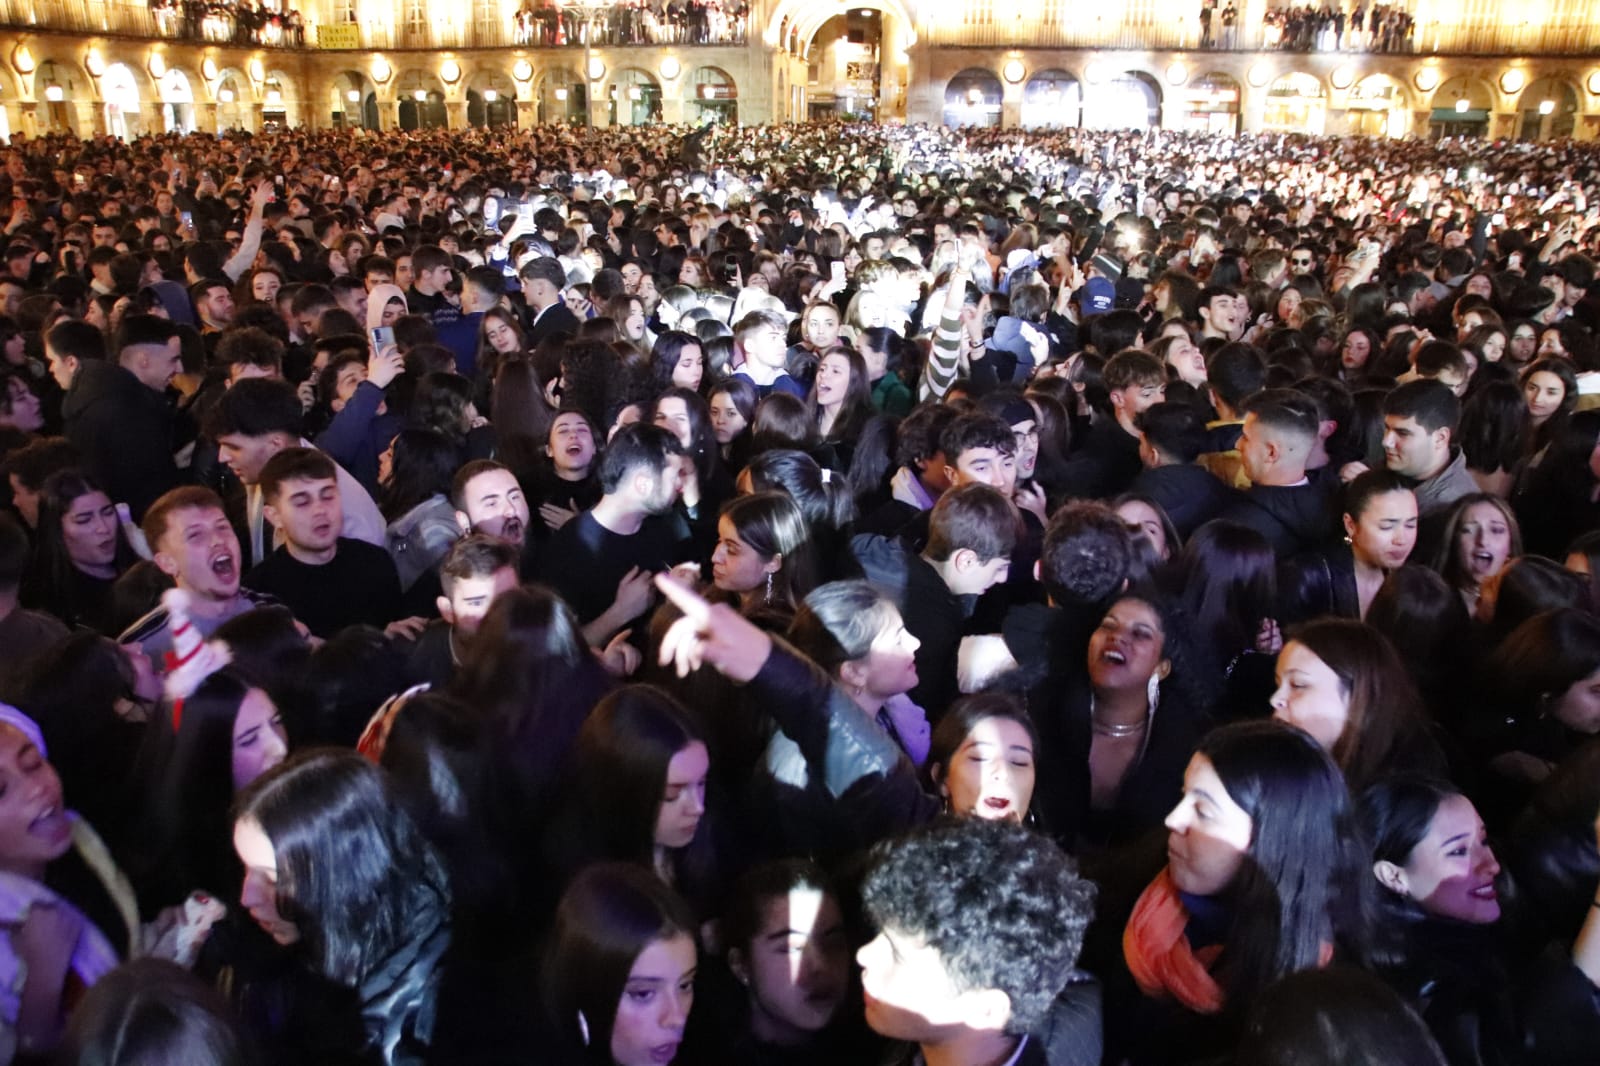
column 944, row 359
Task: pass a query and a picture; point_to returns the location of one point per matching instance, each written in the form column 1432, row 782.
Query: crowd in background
column 794, row 594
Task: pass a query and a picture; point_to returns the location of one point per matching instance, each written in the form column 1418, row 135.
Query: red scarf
column 1158, row 953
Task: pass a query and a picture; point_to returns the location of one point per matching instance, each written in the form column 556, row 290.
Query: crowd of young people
column 812, row 593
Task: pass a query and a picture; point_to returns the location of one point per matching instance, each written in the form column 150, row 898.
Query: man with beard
column 602, row 561
column 488, row 499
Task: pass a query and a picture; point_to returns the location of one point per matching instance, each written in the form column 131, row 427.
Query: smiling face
column 1452, row 870
column 1208, row 834
column 655, row 1004
column 89, row 531
column 1125, row 650
column 1310, row 695
column 1483, row 542
column 991, row 775
column 34, row 828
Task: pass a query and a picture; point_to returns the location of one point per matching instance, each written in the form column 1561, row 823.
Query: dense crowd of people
column 651, row 22
column 230, row 22
column 799, row 594
column 1308, row 28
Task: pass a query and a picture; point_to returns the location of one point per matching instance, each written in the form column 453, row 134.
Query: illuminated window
column 416, row 17
column 979, row 13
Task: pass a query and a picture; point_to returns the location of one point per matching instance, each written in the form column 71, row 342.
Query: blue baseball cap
column 1097, row 296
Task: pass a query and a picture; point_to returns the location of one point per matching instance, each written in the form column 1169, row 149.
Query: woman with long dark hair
column 1112, row 758
column 840, row 400
column 1343, row 683
column 1439, row 916
column 196, row 759
column 1560, row 496
column 981, row 758
column 1262, row 879
column 67, row 915
column 531, row 679
column 1481, row 536
column 619, row 974
column 336, row 870
column 415, row 473
column 1380, row 531
column 636, row 792
column 79, row 550
column 763, row 554
column 677, row 360
column 1225, row 581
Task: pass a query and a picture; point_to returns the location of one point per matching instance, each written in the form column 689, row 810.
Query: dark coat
column 125, row 431
column 1191, row 495
column 1294, row 519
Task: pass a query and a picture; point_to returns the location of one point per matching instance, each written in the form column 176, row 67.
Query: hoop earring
column 583, row 1028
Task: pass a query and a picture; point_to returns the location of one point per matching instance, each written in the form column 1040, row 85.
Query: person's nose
column 1280, row 698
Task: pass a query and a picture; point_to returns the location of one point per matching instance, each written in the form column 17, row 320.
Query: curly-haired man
column 980, row 924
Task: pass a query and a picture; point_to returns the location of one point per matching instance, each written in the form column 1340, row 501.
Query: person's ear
column 446, row 610
column 854, row 673
column 773, row 565
column 1326, row 429
column 165, row 563
column 1392, row 877
column 1349, row 527
column 270, row 513
column 986, row 1010
column 1037, row 571
column 464, row 522
column 739, row 966
column 1163, row 669
column 965, row 559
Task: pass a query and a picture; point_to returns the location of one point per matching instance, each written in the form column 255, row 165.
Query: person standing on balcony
column 1205, row 24
column 1230, row 33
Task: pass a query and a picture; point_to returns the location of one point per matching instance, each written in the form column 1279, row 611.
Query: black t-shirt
column 584, row 560
column 359, row 587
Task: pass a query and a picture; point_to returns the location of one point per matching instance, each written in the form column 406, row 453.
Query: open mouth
column 1486, row 893
column 1115, row 657
column 50, row 823
column 224, row 565
column 998, row 804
